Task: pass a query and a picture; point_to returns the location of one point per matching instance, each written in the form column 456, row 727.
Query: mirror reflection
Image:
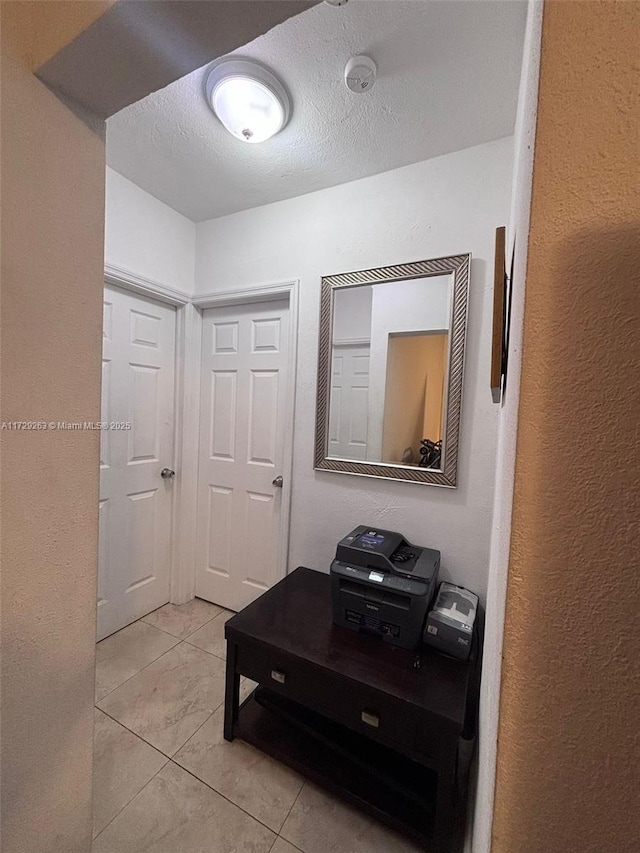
column 389, row 365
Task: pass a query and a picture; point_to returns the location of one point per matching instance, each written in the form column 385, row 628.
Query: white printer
column 451, row 623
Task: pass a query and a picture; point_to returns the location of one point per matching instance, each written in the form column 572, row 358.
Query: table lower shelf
column 373, row 777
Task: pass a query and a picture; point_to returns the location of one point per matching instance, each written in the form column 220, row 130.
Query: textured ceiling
column 448, row 75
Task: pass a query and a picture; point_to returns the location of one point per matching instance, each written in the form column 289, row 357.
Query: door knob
column 167, row 474
column 277, row 482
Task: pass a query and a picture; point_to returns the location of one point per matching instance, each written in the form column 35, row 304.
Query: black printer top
column 368, row 540
column 387, row 551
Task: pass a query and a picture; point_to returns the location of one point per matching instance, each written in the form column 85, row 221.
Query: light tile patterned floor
column 165, row 780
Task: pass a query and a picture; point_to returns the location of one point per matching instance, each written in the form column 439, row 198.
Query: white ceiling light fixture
column 248, row 99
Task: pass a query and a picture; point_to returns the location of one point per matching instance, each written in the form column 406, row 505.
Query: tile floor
column 165, row 780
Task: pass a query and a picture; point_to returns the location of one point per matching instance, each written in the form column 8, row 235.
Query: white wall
column 146, row 237
column 352, row 313
column 447, row 205
column 524, row 141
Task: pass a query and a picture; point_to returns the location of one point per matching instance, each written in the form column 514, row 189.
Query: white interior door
column 349, row 412
column 242, row 427
column 138, row 368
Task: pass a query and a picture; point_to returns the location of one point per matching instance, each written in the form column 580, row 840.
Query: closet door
column 242, row 412
column 138, row 368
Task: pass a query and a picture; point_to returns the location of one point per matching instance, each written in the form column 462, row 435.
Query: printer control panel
column 372, row 539
column 383, row 541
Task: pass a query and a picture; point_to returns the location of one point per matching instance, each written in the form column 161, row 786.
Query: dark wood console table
column 353, row 713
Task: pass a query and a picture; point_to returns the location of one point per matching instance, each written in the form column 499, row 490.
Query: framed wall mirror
column 390, row 368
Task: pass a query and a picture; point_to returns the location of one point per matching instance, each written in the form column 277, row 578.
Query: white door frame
column 187, row 409
column 246, row 296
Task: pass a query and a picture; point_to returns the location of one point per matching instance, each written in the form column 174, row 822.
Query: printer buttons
column 370, row 719
column 280, row 677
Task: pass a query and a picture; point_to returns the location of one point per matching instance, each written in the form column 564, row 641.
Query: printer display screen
column 372, row 539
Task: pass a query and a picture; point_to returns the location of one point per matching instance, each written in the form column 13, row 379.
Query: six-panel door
column 138, row 371
column 242, row 425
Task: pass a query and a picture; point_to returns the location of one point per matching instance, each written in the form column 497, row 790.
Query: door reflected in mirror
column 388, row 371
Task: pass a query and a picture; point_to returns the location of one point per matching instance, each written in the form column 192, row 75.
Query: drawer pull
column 370, row 719
column 280, row 677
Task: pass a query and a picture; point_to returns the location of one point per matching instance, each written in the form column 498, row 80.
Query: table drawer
column 361, row 708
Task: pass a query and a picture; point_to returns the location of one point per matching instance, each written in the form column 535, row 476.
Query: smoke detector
column 360, row 74
column 336, row 2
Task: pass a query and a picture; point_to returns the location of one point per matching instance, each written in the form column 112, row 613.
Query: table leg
column 231, row 691
column 448, row 812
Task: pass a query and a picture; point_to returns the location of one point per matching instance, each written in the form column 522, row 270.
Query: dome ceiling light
column 248, row 99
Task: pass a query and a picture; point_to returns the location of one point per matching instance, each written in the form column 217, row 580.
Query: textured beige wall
column 568, row 743
column 52, row 185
